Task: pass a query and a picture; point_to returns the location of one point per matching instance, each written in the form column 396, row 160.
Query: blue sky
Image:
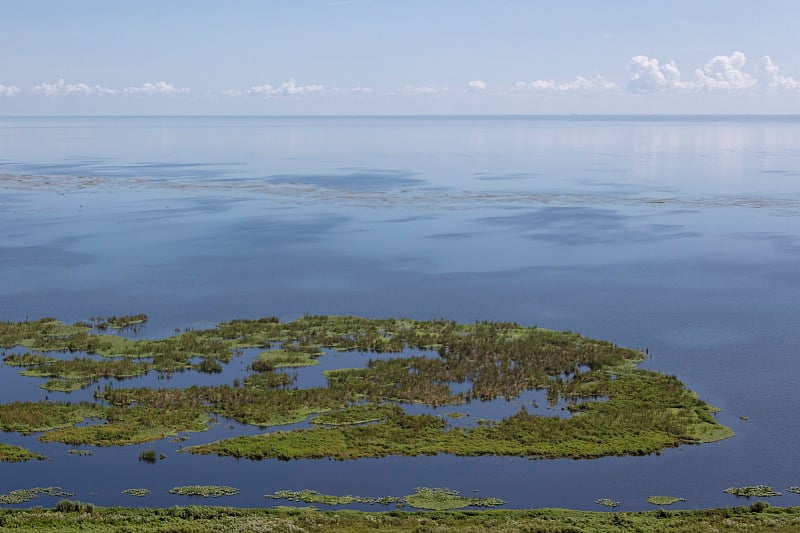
column 398, row 57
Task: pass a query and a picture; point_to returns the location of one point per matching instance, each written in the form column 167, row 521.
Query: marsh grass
column 10, row 453
column 207, row 518
column 619, row 409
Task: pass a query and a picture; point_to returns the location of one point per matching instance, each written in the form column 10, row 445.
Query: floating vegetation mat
column 616, row 407
column 607, row 502
column 760, row 491
column 664, row 500
column 441, row 499
column 793, row 490
column 438, row 499
column 206, row 491
column 140, row 493
column 312, row 496
column 26, row 495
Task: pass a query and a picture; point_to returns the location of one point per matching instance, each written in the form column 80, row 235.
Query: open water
column 678, row 235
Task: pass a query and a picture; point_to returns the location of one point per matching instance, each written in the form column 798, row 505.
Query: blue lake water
column 681, row 236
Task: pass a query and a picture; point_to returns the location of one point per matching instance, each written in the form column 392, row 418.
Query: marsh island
column 612, row 407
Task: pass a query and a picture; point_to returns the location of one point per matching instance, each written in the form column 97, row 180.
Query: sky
column 405, row 57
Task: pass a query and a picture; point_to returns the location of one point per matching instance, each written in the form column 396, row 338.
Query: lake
column 676, row 235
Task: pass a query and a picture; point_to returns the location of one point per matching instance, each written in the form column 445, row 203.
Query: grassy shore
column 72, row 516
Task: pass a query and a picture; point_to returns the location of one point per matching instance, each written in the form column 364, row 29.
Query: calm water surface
column 679, row 236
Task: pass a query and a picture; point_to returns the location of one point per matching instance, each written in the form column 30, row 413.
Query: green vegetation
column 81, row 452
column 15, row 454
column 607, row 502
column 617, row 408
column 27, row 417
column 205, row 491
column 26, row 495
column 312, row 496
column 664, row 500
column 793, row 490
column 227, row 519
column 761, row 491
column 355, row 414
column 132, row 425
column 139, row 493
column 423, row 498
column 148, row 456
column 445, row 499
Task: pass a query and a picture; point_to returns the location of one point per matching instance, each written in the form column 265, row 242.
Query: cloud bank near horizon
column 645, row 76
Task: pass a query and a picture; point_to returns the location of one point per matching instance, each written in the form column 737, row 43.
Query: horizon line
column 435, row 115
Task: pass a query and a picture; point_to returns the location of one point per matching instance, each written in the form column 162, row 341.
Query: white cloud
column 650, row 77
column 476, row 86
column 425, row 89
column 768, row 75
column 289, row 88
column 580, row 84
column 724, row 73
column 9, row 90
column 62, row 88
column 160, row 88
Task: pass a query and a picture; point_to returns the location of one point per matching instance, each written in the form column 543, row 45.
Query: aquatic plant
column 607, row 502
column 26, row 495
column 148, row 456
column 205, row 491
column 312, row 496
column 81, row 452
column 761, row 491
column 793, row 489
column 663, row 500
column 439, row 499
column 139, row 493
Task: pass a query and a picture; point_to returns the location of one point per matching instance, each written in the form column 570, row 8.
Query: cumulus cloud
column 62, row 88
column 9, row 90
column 580, row 84
column 160, row 88
column 425, row 89
column 768, row 75
column 476, row 86
column 650, row 77
column 724, row 73
column 289, row 88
